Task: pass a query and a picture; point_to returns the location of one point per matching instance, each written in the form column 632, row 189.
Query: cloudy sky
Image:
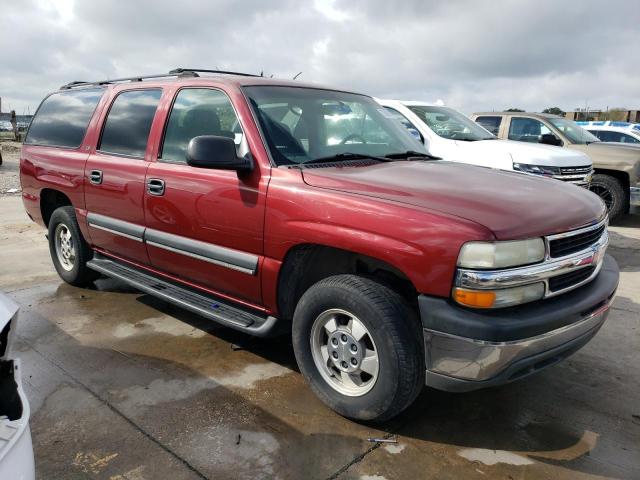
column 474, row 55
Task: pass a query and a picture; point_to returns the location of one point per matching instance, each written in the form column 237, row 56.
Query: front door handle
column 95, row 177
column 155, row 186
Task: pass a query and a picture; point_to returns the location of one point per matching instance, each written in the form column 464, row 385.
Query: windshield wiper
column 411, row 153
column 345, row 156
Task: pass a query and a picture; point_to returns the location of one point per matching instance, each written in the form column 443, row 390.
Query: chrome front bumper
column 474, row 363
column 467, row 349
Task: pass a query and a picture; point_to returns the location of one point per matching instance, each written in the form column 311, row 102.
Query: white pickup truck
column 452, row 136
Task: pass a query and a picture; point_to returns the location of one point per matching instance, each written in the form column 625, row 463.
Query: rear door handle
column 95, row 177
column 155, row 186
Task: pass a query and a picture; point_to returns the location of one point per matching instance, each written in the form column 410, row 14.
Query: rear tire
column 612, row 192
column 359, row 346
column 69, row 250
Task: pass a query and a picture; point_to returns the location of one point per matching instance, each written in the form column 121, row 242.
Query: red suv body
column 274, row 206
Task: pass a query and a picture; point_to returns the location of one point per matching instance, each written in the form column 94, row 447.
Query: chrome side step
column 208, row 306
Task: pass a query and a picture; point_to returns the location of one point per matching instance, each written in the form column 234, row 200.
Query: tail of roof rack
column 177, row 72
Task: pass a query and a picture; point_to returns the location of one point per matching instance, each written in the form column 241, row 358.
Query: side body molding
column 115, row 226
column 208, row 252
column 225, row 257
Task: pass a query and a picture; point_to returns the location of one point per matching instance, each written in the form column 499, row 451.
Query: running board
column 208, row 306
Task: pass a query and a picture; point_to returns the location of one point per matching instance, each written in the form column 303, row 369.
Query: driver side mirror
column 210, row 151
column 550, row 139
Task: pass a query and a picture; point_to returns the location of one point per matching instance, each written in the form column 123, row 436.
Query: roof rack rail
column 177, row 72
column 204, row 70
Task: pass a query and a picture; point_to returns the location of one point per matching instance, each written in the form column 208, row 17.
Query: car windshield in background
column 447, row 123
column 573, row 132
column 303, row 125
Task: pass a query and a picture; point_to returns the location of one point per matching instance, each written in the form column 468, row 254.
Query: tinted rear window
column 62, row 118
column 127, row 127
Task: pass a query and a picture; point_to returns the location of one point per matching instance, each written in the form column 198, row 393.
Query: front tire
column 612, row 193
column 359, row 346
column 69, row 250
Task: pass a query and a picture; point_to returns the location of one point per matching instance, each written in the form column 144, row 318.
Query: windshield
column 305, row 124
column 574, row 132
column 448, row 123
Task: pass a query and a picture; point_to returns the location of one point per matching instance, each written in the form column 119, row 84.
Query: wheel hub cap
column 344, row 352
column 65, row 249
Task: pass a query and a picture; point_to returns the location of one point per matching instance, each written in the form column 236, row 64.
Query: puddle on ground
column 492, row 457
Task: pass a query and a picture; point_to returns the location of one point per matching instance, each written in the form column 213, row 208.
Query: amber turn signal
column 474, row 298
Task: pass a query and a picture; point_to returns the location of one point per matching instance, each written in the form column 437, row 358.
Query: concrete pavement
column 124, row 387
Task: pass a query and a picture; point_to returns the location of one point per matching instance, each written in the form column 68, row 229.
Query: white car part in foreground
column 16, row 450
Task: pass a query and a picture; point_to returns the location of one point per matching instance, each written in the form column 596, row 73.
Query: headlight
column 489, row 255
column 537, row 169
column 501, row 298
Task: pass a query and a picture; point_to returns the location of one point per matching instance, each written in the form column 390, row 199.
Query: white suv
column 452, row 136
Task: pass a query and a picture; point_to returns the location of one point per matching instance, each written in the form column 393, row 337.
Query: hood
column 530, row 153
column 8, row 310
column 512, row 205
column 623, row 148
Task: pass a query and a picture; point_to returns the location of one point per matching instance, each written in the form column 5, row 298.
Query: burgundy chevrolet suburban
column 277, row 207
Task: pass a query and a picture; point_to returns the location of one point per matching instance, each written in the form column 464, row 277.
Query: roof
column 412, row 103
column 199, row 75
column 611, row 125
column 530, row 114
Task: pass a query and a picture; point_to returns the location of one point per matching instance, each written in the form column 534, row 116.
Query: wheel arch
column 308, row 263
column 621, row 176
column 50, row 200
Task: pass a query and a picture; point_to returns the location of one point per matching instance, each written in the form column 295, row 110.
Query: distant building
column 588, row 115
column 19, row 118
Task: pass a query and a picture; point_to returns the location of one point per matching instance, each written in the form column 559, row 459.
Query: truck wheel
column 359, row 345
column 612, row 193
column 69, row 250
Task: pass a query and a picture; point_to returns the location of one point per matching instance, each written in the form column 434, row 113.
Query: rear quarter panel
column 51, row 167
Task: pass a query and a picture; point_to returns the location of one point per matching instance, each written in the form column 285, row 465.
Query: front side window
column 306, row 124
column 126, row 129
column 626, row 138
column 572, row 131
column 527, row 129
column 490, row 123
column 612, row 136
column 200, row 111
column 450, row 124
column 62, row 119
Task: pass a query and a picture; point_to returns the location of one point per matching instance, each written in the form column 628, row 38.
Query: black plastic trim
column 118, row 227
column 227, row 257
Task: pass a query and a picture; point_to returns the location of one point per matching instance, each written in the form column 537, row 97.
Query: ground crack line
column 374, row 447
column 118, row 412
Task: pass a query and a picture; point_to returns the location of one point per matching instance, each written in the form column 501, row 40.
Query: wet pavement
column 125, row 387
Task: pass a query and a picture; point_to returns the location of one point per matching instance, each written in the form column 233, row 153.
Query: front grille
column 574, row 174
column 570, row 279
column 561, row 247
column 575, row 170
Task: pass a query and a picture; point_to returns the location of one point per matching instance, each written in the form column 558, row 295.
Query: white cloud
column 473, row 55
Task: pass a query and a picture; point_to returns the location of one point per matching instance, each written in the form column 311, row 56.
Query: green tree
column 554, row 111
column 514, row 110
